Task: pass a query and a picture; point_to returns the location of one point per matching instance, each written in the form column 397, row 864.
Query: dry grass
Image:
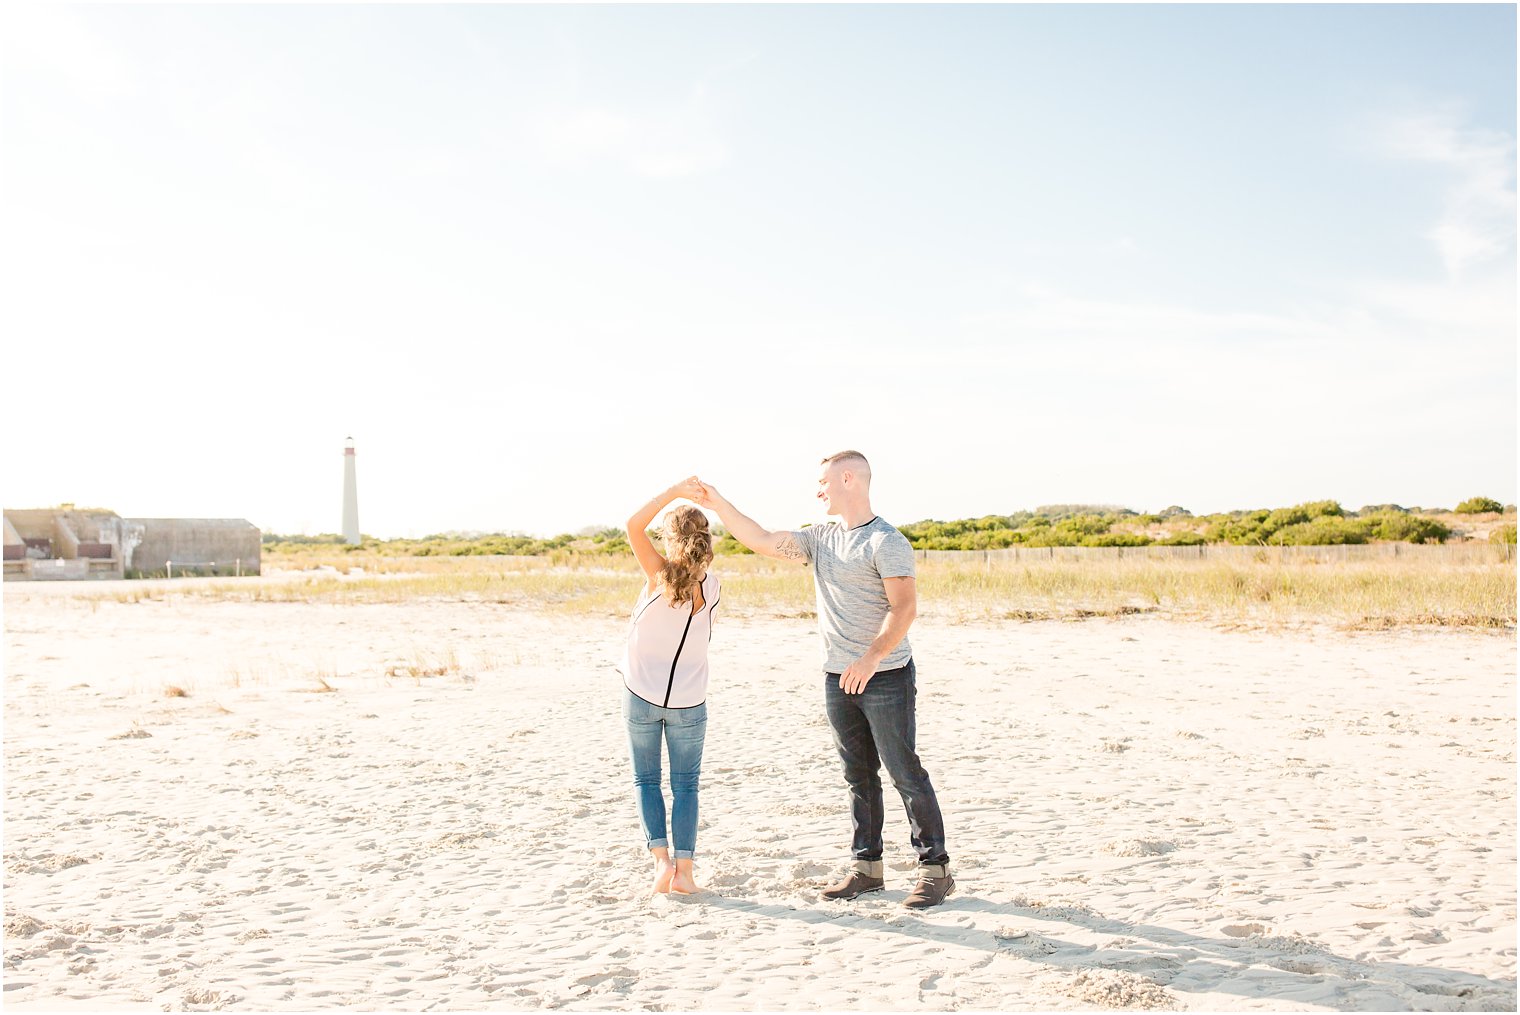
column 1384, row 592
column 1394, row 592
column 424, row 664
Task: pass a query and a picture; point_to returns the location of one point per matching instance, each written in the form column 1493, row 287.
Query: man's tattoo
column 788, row 549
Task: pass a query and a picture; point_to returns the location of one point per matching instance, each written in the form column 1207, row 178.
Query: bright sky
column 542, row 261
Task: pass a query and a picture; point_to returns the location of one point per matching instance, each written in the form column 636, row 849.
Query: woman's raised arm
column 638, row 537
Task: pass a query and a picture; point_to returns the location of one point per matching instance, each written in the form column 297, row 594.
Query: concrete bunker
column 66, row 543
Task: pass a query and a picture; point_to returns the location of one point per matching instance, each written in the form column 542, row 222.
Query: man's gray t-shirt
column 848, row 568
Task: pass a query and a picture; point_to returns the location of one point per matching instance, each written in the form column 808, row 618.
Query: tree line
column 1313, row 523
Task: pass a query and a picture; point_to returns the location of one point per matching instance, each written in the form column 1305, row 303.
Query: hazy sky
column 542, row 261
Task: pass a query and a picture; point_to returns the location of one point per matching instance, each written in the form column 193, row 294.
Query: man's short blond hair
column 851, row 457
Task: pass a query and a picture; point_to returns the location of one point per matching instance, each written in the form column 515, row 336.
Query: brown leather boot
column 934, row 883
column 865, row 876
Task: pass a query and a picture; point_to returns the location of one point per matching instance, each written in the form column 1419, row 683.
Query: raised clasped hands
column 689, row 488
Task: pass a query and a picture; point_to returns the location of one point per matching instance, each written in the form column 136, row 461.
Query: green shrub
column 1283, row 517
column 1049, row 535
column 1479, row 506
column 1063, row 510
column 1503, row 534
column 1084, row 525
column 1117, row 539
column 727, row 544
column 1249, row 528
column 1184, row 539
column 324, row 539
column 1406, row 528
column 1326, row 530
column 1242, row 528
column 992, row 539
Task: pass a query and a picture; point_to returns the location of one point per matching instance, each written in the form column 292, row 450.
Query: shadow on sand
column 1282, row 970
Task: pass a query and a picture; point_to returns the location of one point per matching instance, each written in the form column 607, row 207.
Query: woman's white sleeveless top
column 666, row 661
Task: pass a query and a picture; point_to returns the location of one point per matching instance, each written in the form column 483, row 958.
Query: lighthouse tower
column 350, row 496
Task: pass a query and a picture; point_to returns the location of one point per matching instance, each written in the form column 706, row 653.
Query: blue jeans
column 683, row 730
column 879, row 727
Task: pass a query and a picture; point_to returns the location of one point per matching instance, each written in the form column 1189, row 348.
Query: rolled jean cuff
column 683, row 854
column 657, row 843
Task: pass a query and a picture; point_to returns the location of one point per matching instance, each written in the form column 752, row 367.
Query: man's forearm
column 742, row 527
column 893, row 630
column 780, row 545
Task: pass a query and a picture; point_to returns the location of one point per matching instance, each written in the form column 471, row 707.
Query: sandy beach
column 428, row 805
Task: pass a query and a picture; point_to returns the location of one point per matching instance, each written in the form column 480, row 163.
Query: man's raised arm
column 781, row 545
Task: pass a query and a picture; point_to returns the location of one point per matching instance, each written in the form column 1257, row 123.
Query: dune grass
column 1380, row 593
column 1359, row 594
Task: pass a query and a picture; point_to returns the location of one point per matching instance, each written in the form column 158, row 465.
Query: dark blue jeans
column 874, row 728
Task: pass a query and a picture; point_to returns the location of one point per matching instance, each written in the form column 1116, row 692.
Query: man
column 867, row 599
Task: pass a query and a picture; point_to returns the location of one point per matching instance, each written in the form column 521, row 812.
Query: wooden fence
column 1446, row 553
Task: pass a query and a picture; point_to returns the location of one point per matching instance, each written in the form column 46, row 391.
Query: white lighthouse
column 350, row 495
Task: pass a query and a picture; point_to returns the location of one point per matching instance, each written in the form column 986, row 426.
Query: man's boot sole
column 948, row 892
column 847, row 898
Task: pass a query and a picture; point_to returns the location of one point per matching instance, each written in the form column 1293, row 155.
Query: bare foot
column 683, row 883
column 663, row 873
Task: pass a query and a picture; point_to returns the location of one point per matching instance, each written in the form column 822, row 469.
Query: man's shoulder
column 893, row 551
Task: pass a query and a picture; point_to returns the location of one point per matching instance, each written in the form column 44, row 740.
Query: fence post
column 170, row 565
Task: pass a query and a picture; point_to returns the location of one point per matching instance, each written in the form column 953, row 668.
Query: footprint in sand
column 1031, row 946
column 1157, row 969
column 203, row 997
column 1300, row 966
column 1139, row 847
column 1244, row 930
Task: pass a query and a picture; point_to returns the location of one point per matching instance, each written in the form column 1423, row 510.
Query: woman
column 665, row 677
